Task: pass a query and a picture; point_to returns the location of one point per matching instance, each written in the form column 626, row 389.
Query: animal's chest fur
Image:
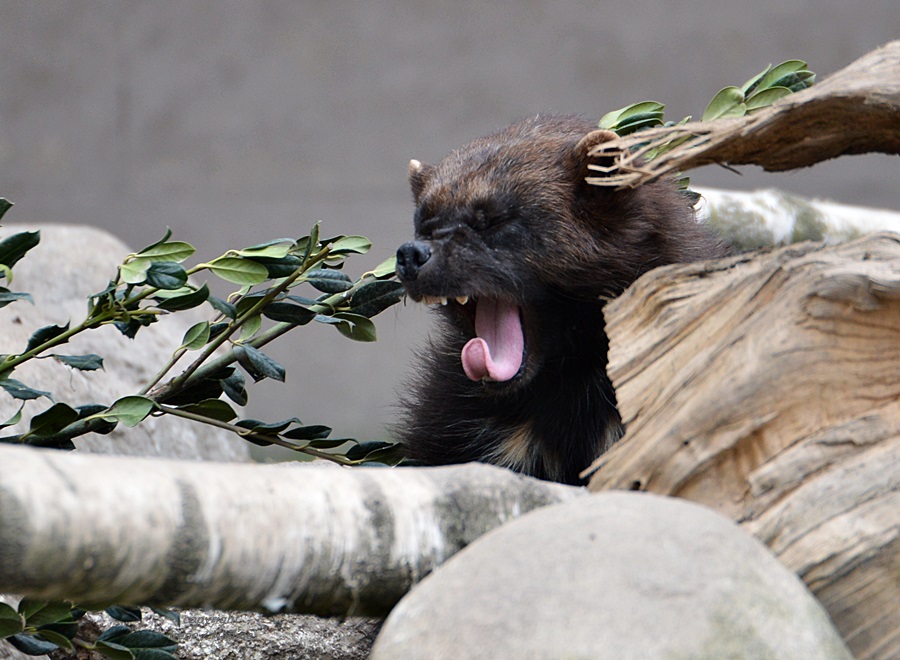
column 552, row 427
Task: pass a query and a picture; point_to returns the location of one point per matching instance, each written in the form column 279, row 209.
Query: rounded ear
column 418, row 176
column 591, row 140
column 584, row 147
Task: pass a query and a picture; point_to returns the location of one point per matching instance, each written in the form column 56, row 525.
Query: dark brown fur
column 510, row 217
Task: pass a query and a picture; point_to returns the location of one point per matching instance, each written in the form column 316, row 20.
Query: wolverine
column 519, row 254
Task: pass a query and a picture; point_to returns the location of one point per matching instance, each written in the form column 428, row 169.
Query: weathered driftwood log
column 768, row 387
column 316, row 540
column 856, row 110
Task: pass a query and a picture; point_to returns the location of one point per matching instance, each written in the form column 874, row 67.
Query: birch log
column 768, row 387
column 316, row 540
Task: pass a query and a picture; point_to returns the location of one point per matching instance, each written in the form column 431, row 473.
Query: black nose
column 410, row 258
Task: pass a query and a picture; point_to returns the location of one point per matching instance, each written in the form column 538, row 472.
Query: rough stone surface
column 616, row 575
column 69, row 264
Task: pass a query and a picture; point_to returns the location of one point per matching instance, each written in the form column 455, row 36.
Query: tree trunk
column 308, row 539
column 768, row 387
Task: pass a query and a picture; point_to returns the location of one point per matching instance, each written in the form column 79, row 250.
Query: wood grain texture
column 767, row 386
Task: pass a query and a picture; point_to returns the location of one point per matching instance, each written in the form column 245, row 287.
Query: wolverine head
column 507, row 237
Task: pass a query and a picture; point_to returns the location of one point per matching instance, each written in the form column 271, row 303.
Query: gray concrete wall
column 235, row 122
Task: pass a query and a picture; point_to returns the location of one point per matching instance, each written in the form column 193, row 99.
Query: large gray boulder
column 615, row 575
column 70, row 263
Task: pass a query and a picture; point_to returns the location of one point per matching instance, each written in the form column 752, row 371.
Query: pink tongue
column 496, row 352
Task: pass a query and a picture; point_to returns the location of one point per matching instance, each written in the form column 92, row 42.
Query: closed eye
column 482, row 218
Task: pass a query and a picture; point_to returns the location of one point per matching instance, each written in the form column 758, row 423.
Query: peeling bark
column 314, row 540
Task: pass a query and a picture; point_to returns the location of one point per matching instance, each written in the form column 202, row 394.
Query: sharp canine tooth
column 462, row 300
column 443, row 301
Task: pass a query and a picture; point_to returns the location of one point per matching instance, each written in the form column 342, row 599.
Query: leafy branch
column 756, row 94
column 37, row 627
column 154, row 282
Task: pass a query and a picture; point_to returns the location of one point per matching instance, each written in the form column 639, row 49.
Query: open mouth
column 497, row 351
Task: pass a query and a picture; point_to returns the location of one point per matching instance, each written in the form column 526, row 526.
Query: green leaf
column 233, row 387
column 52, row 421
column 238, row 270
column 10, row 621
column 89, row 362
column 250, row 327
column 56, row 638
column 638, row 125
column 386, row 268
column 152, row 247
column 113, row 634
column 129, row 410
column 167, row 275
column 217, row 329
column 19, row 390
column 766, row 97
column 282, row 267
column 258, row 364
column 729, row 102
column 780, row 71
column 125, row 614
column 327, row 320
column 12, row 421
column 796, row 81
column 266, row 427
column 374, row 297
column 5, row 205
column 134, row 271
column 306, row 302
column 226, row 309
column 273, row 249
column 171, row 615
column 14, row 248
column 134, row 324
column 29, row 606
column 184, row 301
column 288, row 313
column 355, row 327
column 257, row 429
column 45, row 334
column 307, row 244
column 39, row 612
column 212, row 408
column 329, row 281
column 331, row 443
column 7, row 296
column 247, row 301
column 176, row 251
column 196, row 336
column 314, row 432
column 31, row 644
column 351, row 245
column 750, row 86
column 611, row 120
column 376, row 450
column 146, row 639
column 113, row 651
